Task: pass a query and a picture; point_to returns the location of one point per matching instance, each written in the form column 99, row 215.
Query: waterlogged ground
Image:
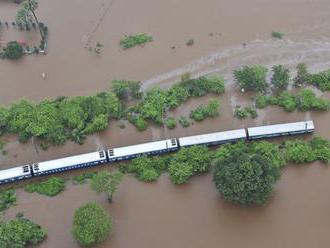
column 160, row 214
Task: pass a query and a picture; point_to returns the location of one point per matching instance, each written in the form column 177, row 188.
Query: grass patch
column 51, row 187
column 134, row 40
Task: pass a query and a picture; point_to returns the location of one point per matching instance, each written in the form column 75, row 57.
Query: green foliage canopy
column 91, row 224
column 251, row 78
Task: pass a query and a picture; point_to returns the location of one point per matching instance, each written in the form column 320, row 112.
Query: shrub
column 307, row 100
column 91, row 224
column 51, row 187
column 261, row 101
column 13, row 50
column 252, row 112
column 281, row 77
column 298, row 152
column 302, row 75
column 243, row 176
column 147, row 169
column 20, row 233
column 189, row 161
column 170, row 123
column 180, row 172
column 83, row 177
column 134, row 40
column 320, row 80
column 277, row 35
column 7, row 198
column 140, row 124
column 240, row 113
column 204, row 111
column 321, row 149
column 251, row 78
column 124, row 89
column 184, row 122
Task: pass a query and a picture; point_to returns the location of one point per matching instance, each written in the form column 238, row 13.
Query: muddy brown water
column 161, row 214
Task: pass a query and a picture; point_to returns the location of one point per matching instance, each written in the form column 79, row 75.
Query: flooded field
column 160, row 214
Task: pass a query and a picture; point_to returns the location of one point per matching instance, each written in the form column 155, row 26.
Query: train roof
column 212, row 137
column 142, row 148
column 14, row 172
column 70, row 161
column 281, row 128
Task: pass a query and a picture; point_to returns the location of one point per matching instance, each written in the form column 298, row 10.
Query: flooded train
column 151, row 148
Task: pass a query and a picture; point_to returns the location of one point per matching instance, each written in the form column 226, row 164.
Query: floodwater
column 160, row 214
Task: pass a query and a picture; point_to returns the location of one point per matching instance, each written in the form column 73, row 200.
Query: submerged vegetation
column 303, row 101
column 242, row 113
column 206, row 111
column 20, row 233
column 277, row 35
column 251, row 78
column 55, row 121
column 91, row 224
column 51, row 187
column 133, row 40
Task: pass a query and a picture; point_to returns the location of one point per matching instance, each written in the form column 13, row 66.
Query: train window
column 111, row 153
column 173, row 142
column 36, row 166
column 25, row 169
column 101, row 154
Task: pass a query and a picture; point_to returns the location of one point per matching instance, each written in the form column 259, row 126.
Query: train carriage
column 150, row 148
column 213, row 138
column 15, row 174
column 69, row 163
column 278, row 130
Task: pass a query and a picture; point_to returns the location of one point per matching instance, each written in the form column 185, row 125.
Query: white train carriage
column 15, row 174
column 213, row 138
column 278, row 130
column 150, row 148
column 69, row 163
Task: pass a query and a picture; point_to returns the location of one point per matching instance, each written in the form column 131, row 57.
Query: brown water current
column 161, row 214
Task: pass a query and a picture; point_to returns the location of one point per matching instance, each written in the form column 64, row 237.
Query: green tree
column 91, row 224
column 243, row 176
column 180, row 172
column 281, row 77
column 20, row 233
column 13, row 50
column 251, row 78
column 106, row 182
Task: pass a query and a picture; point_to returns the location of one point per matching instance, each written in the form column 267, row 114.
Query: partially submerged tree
column 91, row 224
column 26, row 14
column 106, row 182
column 251, row 78
column 13, row 50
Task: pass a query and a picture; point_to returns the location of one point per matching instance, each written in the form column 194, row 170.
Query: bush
column 304, row 152
column 147, row 169
column 307, row 100
column 302, row 75
column 298, row 152
column 20, row 233
column 261, row 101
column 189, row 161
column 204, row 111
column 180, row 172
column 251, row 78
column 51, row 187
column 243, row 176
column 320, row 80
column 140, row 124
column 13, row 50
column 170, row 123
column 83, row 177
column 91, row 224
column 124, row 89
column 134, row 40
column 252, row 112
column 240, row 113
column 281, row 77
column 7, row 198
column 277, row 35
column 184, row 122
